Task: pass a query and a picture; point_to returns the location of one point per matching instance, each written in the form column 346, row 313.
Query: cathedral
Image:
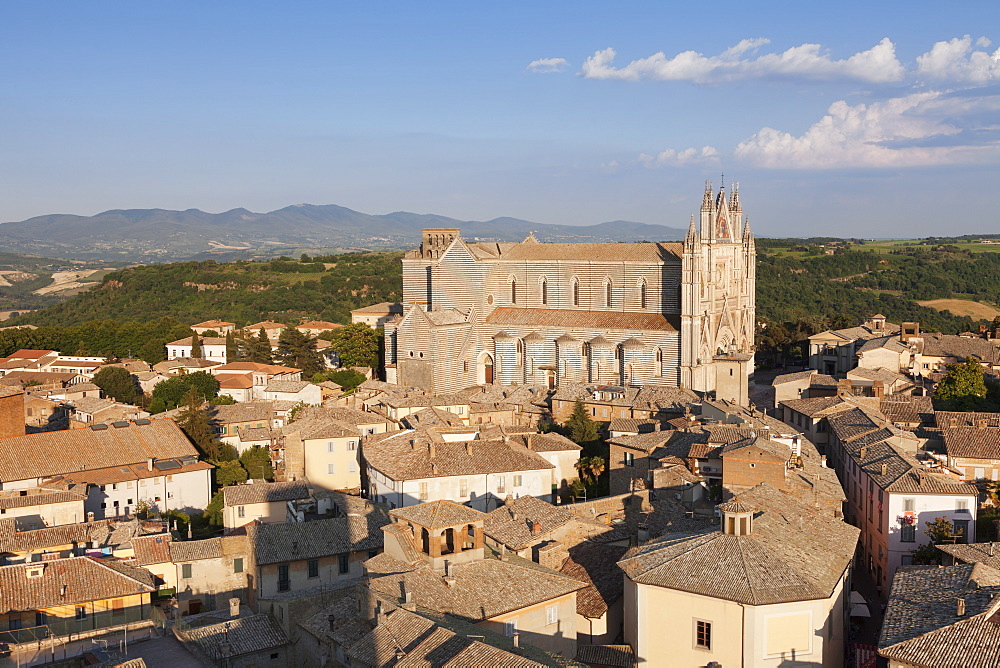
column 624, row 314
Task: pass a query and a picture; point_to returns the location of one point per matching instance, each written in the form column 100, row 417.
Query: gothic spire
column 706, row 201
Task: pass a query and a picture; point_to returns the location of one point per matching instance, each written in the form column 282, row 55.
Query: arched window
column 642, row 295
column 545, row 291
column 607, row 294
column 520, row 351
column 513, row 291
column 576, row 292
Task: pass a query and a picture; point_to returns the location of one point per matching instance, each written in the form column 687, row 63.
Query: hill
column 285, row 290
column 161, row 235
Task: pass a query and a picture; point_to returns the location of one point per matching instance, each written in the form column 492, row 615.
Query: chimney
column 431, row 450
column 295, row 547
column 62, row 590
column 190, row 532
column 332, row 621
column 407, row 594
column 960, row 607
column 149, row 463
column 952, row 422
column 234, row 607
column 885, row 468
column 864, row 451
column 991, row 548
column 527, row 442
column 517, row 640
column 468, row 448
column 981, row 424
column 536, row 527
column 379, row 614
column 920, row 478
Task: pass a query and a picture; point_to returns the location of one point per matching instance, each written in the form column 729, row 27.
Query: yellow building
column 769, row 589
column 70, row 595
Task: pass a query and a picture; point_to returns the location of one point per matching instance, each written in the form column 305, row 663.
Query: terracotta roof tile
column 507, row 316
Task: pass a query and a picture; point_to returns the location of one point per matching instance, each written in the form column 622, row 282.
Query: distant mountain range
column 160, row 235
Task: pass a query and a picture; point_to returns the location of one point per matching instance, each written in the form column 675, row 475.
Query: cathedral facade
column 630, row 314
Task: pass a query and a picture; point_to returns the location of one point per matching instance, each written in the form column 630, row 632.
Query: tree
column 194, row 420
column 257, row 463
column 258, row 348
column 357, row 344
column 195, row 346
column 298, row 350
column 230, row 473
column 117, row 383
column 940, row 531
column 152, row 351
column 222, row 400
column 170, row 393
column 347, row 379
column 963, row 389
column 232, row 348
column 595, row 467
column 581, row 428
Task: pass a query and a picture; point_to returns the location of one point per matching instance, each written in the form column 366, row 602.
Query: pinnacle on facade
column 706, row 201
column 734, row 198
column 746, row 230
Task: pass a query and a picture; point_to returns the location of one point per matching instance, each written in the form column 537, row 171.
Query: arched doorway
column 485, row 370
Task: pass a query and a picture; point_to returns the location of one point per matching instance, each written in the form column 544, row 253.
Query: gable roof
column 71, row 451
column 294, row 541
column 921, row 624
column 84, row 579
column 264, row 492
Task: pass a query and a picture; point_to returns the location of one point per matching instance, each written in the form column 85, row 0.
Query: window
column 607, row 294
column 283, row 582
column 907, row 533
column 352, row 466
column 908, row 505
column 513, row 291
column 343, row 564
column 703, row 634
column 642, row 296
column 517, row 480
column 81, row 612
column 186, row 571
column 463, row 488
column 961, row 531
column 629, row 459
column 238, row 565
column 331, row 468
column 41, row 619
column 962, row 506
column 576, row 292
column 501, row 485
column 552, row 615
column 423, row 491
column 352, row 445
column 545, row 291
column 510, row 628
column 241, row 511
column 330, row 446
column 313, row 566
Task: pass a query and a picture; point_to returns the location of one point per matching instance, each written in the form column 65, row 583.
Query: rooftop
column 922, row 626
column 777, row 562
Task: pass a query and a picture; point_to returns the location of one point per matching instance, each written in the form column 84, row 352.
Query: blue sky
column 844, row 119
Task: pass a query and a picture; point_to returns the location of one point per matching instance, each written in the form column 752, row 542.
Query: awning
column 860, row 610
column 857, row 598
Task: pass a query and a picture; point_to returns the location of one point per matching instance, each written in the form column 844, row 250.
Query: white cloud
column 878, row 64
column 909, row 131
column 548, row 65
column 672, row 158
column 956, row 61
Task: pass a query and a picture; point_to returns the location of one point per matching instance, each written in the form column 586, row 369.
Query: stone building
column 670, row 314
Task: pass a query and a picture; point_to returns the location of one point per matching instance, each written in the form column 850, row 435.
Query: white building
column 212, row 348
column 119, row 466
column 770, row 589
column 891, row 496
column 409, row 467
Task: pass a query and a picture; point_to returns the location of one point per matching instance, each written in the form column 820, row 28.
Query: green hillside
column 285, row 290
